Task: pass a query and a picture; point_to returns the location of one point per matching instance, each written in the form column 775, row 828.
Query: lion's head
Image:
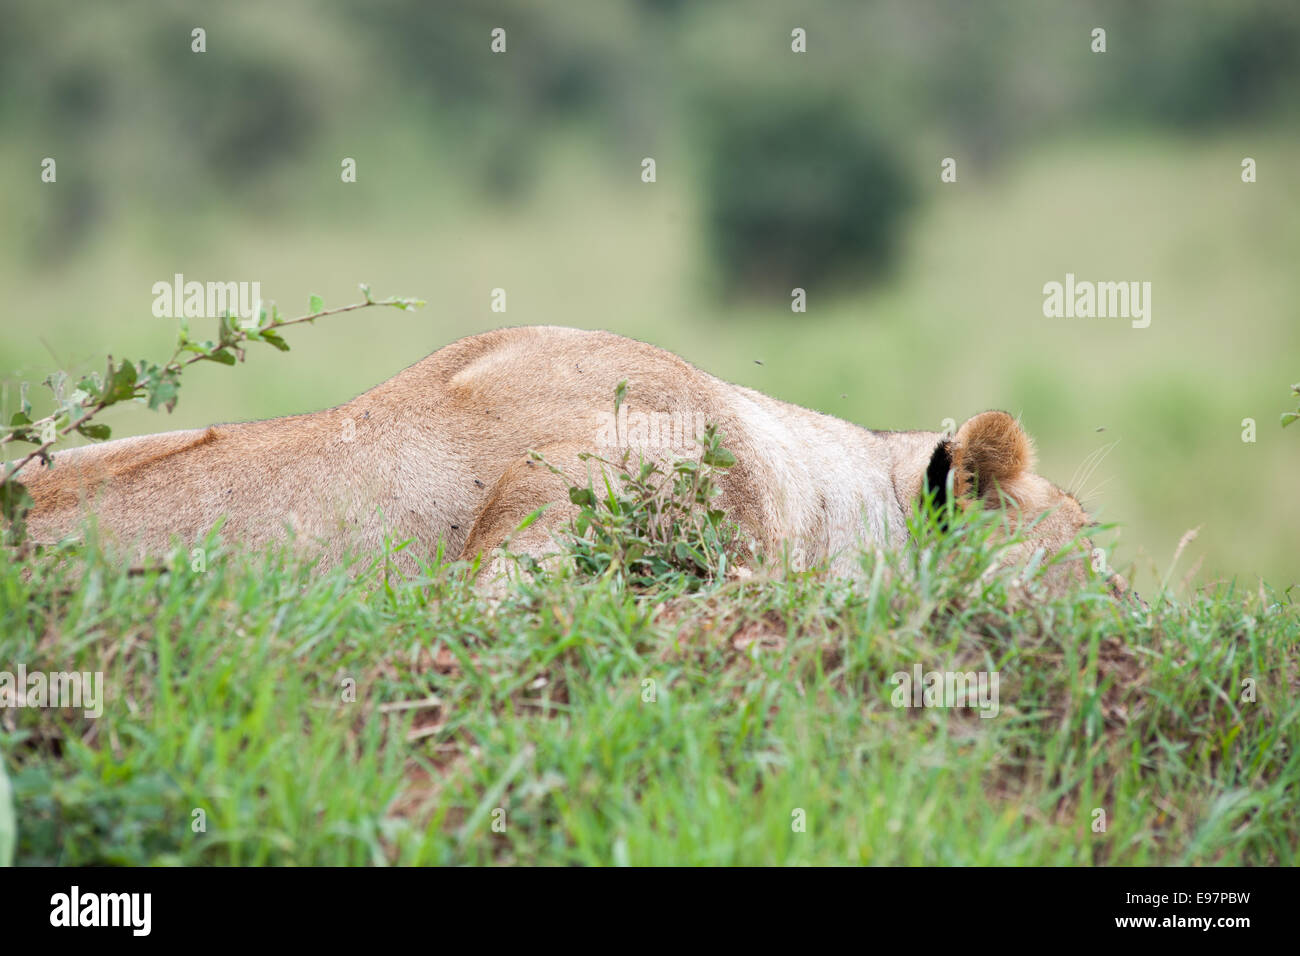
column 990, row 462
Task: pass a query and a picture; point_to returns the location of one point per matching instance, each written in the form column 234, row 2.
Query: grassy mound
column 257, row 712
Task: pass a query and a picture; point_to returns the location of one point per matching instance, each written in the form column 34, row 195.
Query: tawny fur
column 990, row 452
column 440, row 452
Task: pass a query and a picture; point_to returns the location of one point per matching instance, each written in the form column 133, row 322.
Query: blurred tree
column 796, row 191
column 1204, row 62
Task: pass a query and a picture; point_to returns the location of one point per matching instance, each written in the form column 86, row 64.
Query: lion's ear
column 990, row 452
column 936, row 473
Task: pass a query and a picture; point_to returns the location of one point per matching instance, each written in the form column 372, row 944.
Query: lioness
column 441, row 451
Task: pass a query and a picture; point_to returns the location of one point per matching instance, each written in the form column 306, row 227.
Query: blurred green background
column 774, row 169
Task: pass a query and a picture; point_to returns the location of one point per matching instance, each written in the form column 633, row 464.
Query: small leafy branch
column 659, row 525
column 1289, row 417
column 157, row 385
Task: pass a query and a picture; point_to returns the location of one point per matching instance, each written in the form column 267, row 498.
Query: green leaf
column 532, row 517
column 95, row 432
column 273, row 338
column 222, row 356
column 19, row 418
column 1289, row 417
column 15, row 502
column 718, row 457
column 121, row 384
column 582, row 496
column 164, row 393
column 315, row 304
column 686, row 553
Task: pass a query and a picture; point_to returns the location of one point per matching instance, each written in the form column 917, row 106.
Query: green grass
column 226, row 694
